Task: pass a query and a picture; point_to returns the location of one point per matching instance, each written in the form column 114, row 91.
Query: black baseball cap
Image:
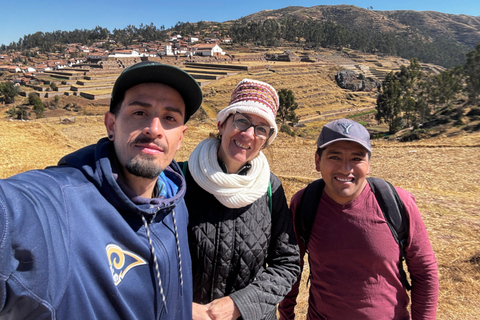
column 344, row 130
column 156, row 72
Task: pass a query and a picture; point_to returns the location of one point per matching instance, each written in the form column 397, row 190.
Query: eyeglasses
column 242, row 123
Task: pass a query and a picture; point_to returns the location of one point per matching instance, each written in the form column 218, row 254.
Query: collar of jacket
column 243, row 170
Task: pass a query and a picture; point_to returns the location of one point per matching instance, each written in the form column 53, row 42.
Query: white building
column 207, row 49
column 124, row 54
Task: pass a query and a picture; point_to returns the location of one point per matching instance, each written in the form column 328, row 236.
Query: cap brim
column 169, row 75
column 346, row 139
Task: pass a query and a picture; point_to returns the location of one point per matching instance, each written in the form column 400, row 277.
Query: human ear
column 221, row 127
column 317, row 162
column 110, row 124
column 182, row 134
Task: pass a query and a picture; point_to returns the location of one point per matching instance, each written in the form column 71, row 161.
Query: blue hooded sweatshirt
column 74, row 245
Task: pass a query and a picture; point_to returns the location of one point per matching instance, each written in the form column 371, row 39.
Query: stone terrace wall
column 248, row 57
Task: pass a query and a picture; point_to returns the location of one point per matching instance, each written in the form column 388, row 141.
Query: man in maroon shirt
column 353, row 255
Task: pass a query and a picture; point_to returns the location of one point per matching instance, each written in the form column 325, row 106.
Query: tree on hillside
column 450, row 84
column 21, row 112
column 430, row 92
column 287, row 107
column 38, row 106
column 12, row 112
column 389, row 103
column 409, row 78
column 472, row 74
column 403, row 100
column 9, row 91
column 438, row 90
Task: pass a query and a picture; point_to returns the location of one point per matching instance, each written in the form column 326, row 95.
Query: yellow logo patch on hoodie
column 122, row 261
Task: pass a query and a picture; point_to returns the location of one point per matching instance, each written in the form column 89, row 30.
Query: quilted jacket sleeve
column 274, row 281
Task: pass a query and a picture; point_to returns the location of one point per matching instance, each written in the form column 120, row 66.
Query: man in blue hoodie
column 103, row 234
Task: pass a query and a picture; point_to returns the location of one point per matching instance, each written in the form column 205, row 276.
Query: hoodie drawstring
column 157, row 269
column 178, row 250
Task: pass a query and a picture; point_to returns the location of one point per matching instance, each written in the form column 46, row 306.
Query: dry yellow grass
column 30, row 145
column 441, row 173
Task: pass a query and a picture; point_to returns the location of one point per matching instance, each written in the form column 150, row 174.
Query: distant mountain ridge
column 464, row 29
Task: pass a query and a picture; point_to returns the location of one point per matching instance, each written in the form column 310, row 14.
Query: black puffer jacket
column 247, row 253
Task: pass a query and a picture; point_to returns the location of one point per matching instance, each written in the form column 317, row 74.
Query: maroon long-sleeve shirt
column 354, row 263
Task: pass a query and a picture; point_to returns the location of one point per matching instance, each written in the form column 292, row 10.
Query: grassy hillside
column 430, row 36
column 464, row 29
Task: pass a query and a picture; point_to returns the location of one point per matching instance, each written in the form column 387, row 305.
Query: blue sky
column 29, row 16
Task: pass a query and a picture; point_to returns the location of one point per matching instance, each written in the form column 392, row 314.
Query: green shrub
column 287, row 129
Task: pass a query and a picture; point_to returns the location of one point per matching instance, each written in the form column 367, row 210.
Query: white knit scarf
column 231, row 190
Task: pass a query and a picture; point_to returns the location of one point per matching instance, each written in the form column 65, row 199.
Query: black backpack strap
column 184, row 167
column 306, row 212
column 270, row 200
column 393, row 210
column 307, row 209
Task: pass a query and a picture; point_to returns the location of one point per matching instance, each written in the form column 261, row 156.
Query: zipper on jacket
column 155, row 261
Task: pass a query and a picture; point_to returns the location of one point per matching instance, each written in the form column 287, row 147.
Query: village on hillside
column 28, row 69
column 76, row 53
column 90, row 71
column 59, row 72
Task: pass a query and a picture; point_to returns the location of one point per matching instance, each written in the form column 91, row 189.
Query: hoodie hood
column 96, row 163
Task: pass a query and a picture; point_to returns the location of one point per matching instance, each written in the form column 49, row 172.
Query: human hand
column 223, row 309
column 199, row 312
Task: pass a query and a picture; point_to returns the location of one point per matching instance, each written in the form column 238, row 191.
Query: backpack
column 387, row 197
column 269, row 190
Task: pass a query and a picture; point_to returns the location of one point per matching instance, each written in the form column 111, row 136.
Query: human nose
column 250, row 131
column 346, row 167
column 154, row 128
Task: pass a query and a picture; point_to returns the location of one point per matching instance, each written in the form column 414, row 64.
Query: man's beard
column 144, row 167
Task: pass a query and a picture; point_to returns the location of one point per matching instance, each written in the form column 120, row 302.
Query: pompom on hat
column 254, row 97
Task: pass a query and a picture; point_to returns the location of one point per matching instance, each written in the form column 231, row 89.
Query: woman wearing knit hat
column 244, row 254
